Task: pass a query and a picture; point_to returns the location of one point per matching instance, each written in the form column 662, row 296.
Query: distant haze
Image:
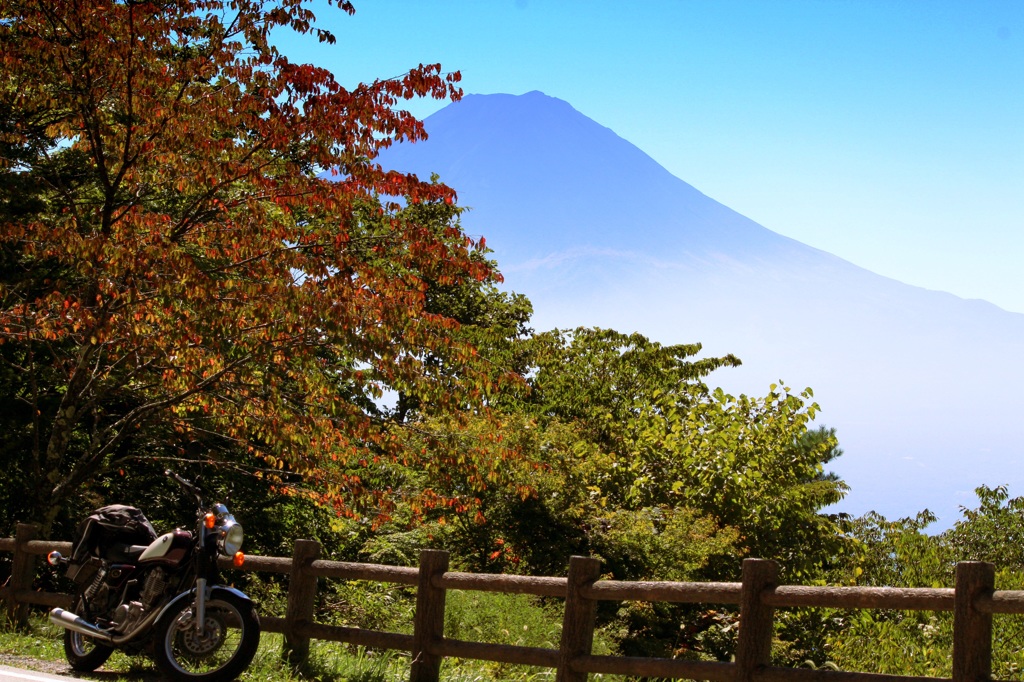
column 923, row 387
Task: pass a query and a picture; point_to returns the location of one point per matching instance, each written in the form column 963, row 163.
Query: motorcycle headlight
column 231, row 538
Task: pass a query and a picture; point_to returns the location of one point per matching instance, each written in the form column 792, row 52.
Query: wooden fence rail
column 973, row 602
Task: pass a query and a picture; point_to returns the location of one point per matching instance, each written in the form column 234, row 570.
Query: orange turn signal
column 209, row 520
column 238, row 559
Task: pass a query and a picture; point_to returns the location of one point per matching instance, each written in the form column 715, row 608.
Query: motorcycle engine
column 154, row 587
column 128, row 614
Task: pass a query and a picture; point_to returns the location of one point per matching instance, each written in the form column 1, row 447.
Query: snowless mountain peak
column 543, row 177
column 920, row 385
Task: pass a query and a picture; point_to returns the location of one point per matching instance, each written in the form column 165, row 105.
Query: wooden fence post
column 972, row 630
column 578, row 621
column 23, row 573
column 428, row 623
column 301, row 601
column 753, row 650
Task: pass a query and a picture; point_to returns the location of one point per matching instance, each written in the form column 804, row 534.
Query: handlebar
column 187, row 485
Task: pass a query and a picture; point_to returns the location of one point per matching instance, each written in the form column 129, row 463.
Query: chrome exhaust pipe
column 75, row 623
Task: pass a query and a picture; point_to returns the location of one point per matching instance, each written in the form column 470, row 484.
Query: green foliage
column 901, row 554
column 626, row 435
column 616, row 448
column 674, row 544
column 897, row 553
column 336, row 663
column 370, row 606
column 903, row 643
column 513, row 619
column 994, row 531
column 516, row 620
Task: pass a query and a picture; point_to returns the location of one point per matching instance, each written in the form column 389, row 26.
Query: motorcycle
column 161, row 596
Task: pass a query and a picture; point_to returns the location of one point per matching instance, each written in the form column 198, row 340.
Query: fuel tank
column 170, row 549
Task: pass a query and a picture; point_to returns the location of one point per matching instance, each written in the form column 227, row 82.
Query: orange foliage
column 194, row 259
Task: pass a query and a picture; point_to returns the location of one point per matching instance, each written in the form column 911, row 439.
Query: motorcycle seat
column 122, row 553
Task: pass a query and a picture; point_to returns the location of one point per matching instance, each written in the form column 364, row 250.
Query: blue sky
column 888, row 133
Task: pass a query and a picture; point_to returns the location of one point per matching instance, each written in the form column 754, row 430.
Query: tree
column 656, row 435
column 175, row 270
column 994, row 531
column 614, row 430
column 901, row 553
column 631, row 457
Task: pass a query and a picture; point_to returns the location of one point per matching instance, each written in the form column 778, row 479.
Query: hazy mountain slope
column 922, row 385
column 579, row 183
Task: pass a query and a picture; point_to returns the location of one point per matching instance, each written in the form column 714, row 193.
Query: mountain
column 922, row 386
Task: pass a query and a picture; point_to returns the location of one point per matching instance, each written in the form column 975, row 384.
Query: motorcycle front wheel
column 84, row 654
column 226, row 645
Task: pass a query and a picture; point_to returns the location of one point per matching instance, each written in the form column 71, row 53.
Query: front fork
column 202, row 594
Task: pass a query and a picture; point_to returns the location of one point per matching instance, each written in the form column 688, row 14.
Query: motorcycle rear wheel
column 231, row 634
column 84, row 654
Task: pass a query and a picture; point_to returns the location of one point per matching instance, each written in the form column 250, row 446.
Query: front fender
column 215, row 591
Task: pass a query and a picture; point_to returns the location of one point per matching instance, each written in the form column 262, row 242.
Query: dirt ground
column 62, row 668
column 37, row 664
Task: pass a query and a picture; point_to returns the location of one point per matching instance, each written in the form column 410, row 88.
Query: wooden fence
column 973, row 602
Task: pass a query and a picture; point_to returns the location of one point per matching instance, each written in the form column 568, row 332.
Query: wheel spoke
column 220, row 641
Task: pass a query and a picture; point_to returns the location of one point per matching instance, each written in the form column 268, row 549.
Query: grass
column 474, row 616
column 41, row 640
column 328, row 662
